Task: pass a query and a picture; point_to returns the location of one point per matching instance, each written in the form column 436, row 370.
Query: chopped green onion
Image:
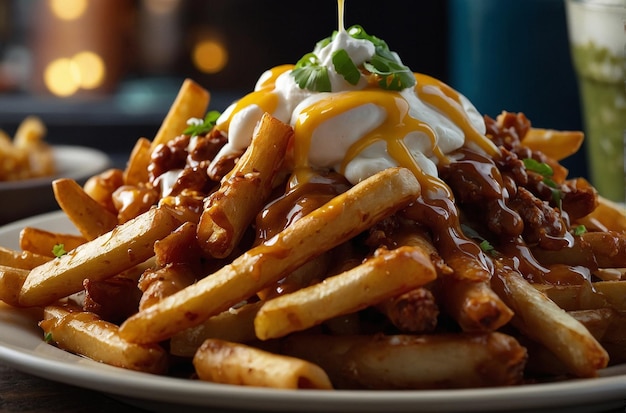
column 309, row 74
column 546, row 171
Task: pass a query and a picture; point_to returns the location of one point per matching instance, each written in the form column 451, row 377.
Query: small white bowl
column 28, row 197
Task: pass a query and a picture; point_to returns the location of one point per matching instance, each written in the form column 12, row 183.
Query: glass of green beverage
column 598, row 42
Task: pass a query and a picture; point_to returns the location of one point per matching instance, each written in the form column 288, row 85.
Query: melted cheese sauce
column 358, row 132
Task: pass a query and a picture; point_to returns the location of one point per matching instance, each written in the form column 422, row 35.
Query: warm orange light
column 60, row 77
column 66, row 76
column 68, row 9
column 209, row 56
column 91, row 69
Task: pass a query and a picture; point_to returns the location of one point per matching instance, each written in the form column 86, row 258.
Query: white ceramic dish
column 30, row 197
column 22, row 347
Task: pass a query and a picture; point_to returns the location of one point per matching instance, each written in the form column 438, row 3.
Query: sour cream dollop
column 359, row 128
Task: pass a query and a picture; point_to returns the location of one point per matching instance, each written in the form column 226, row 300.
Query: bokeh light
column 209, row 55
column 66, row 76
column 68, row 9
column 60, row 77
column 91, row 69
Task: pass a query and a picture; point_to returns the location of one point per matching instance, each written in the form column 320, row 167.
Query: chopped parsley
column 59, row 250
column 310, row 74
column 197, row 127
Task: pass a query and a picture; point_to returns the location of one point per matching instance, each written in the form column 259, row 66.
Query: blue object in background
column 514, row 55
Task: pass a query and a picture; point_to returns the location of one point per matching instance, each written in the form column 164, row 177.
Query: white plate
column 29, row 197
column 21, row 346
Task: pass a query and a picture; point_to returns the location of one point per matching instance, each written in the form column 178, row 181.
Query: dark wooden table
column 21, row 392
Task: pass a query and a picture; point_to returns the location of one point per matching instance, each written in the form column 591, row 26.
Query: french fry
column 231, row 363
column 159, row 283
column 473, row 304
column 607, row 216
column 387, row 274
column 111, row 253
column 191, row 102
column 587, row 296
column 11, row 281
column 90, row 217
column 86, row 334
column 415, row 311
column 234, row 325
column 136, row 171
column 102, row 186
column 430, row 361
column 30, row 131
column 42, row 242
column 21, row 259
column 542, row 320
column 555, row 144
column 326, row 227
column 244, row 190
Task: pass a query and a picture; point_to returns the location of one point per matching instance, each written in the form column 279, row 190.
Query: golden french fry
column 473, row 304
column 555, row 144
column 11, row 281
column 42, row 242
column 430, row 361
column 136, row 171
column 587, row 296
column 159, row 283
column 244, row 190
column 126, row 246
column 582, row 296
column 86, row 334
column 21, row 259
column 608, row 216
column 102, row 186
column 191, row 102
column 415, row 311
column 322, row 229
column 30, row 131
column 234, row 325
column 90, row 217
column 232, row 363
column 387, row 274
column 544, row 321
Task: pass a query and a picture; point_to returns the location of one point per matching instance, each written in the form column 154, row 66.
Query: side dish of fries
column 26, row 154
column 250, row 280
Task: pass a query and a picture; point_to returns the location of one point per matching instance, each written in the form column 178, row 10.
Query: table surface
column 21, row 392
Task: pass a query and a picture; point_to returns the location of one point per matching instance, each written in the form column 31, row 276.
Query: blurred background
column 103, row 73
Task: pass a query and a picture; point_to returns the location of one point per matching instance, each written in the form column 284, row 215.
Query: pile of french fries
column 26, row 154
column 154, row 282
